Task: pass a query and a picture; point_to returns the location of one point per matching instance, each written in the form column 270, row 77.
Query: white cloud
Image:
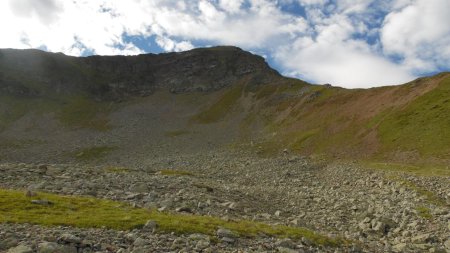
column 350, row 64
column 420, row 34
column 231, row 6
column 333, row 56
column 312, row 2
column 46, row 10
column 171, row 45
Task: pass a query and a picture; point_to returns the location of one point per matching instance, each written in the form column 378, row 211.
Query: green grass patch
column 429, row 196
column 168, row 172
column 72, row 211
column 12, row 109
column 176, row 133
column 423, row 125
column 218, row 110
column 85, row 113
column 424, row 212
column 115, row 169
column 97, row 213
column 93, row 153
column 300, row 138
column 78, row 111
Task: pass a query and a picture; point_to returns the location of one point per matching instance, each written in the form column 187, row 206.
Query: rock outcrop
column 35, row 73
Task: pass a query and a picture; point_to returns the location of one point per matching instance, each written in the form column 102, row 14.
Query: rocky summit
column 211, row 150
column 117, row 76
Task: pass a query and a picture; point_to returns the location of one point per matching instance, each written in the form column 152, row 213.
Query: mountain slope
column 400, row 122
column 57, row 107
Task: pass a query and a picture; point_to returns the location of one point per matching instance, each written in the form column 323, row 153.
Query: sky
column 347, row 43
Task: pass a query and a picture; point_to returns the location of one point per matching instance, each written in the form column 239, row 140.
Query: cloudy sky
column 350, row 43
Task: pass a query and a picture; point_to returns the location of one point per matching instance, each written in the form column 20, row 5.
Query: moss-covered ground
column 88, row 212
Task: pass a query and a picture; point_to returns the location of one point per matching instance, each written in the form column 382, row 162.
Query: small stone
column 52, row 171
column 8, row 242
column 51, row 247
column 69, row 238
column 139, row 242
column 379, row 227
column 233, row 205
column 184, row 209
column 42, row 168
column 202, row 244
column 422, row 238
column 228, row 239
column 20, row 249
column 399, row 247
column 278, row 213
column 178, row 244
column 421, row 246
column 43, row 202
column 139, row 188
column 151, row 225
column 222, row 232
column 286, row 250
column 447, row 244
column 285, row 243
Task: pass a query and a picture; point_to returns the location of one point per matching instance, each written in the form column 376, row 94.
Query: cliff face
column 37, row 73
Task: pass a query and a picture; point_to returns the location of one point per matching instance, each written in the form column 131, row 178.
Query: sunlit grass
column 88, row 212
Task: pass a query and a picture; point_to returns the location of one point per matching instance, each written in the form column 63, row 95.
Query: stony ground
column 376, row 211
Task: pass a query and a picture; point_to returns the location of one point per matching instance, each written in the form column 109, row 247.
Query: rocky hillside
column 210, row 97
column 36, row 73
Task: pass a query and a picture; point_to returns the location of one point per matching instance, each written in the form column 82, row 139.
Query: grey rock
column 140, row 250
column 223, row 232
column 178, row 243
column 140, row 242
column 399, row 247
column 20, row 249
column 202, row 244
column 139, row 188
column 52, row 171
column 447, row 244
column 422, row 238
column 51, row 247
column 184, row 209
column 286, row 250
column 150, row 225
column 8, row 242
column 228, row 239
column 69, row 238
column 285, row 243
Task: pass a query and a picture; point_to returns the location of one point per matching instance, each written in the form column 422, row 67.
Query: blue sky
column 349, row 43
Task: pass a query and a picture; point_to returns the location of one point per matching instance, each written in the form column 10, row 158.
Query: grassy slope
column 423, row 125
column 77, row 111
column 375, row 123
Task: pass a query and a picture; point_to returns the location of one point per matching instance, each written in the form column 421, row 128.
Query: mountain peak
column 201, row 69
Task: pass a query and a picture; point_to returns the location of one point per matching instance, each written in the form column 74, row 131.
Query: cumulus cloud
column 46, row 10
column 419, row 34
column 333, row 56
column 351, row 43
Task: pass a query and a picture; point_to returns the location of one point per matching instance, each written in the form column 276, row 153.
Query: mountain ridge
column 217, row 96
column 203, row 69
